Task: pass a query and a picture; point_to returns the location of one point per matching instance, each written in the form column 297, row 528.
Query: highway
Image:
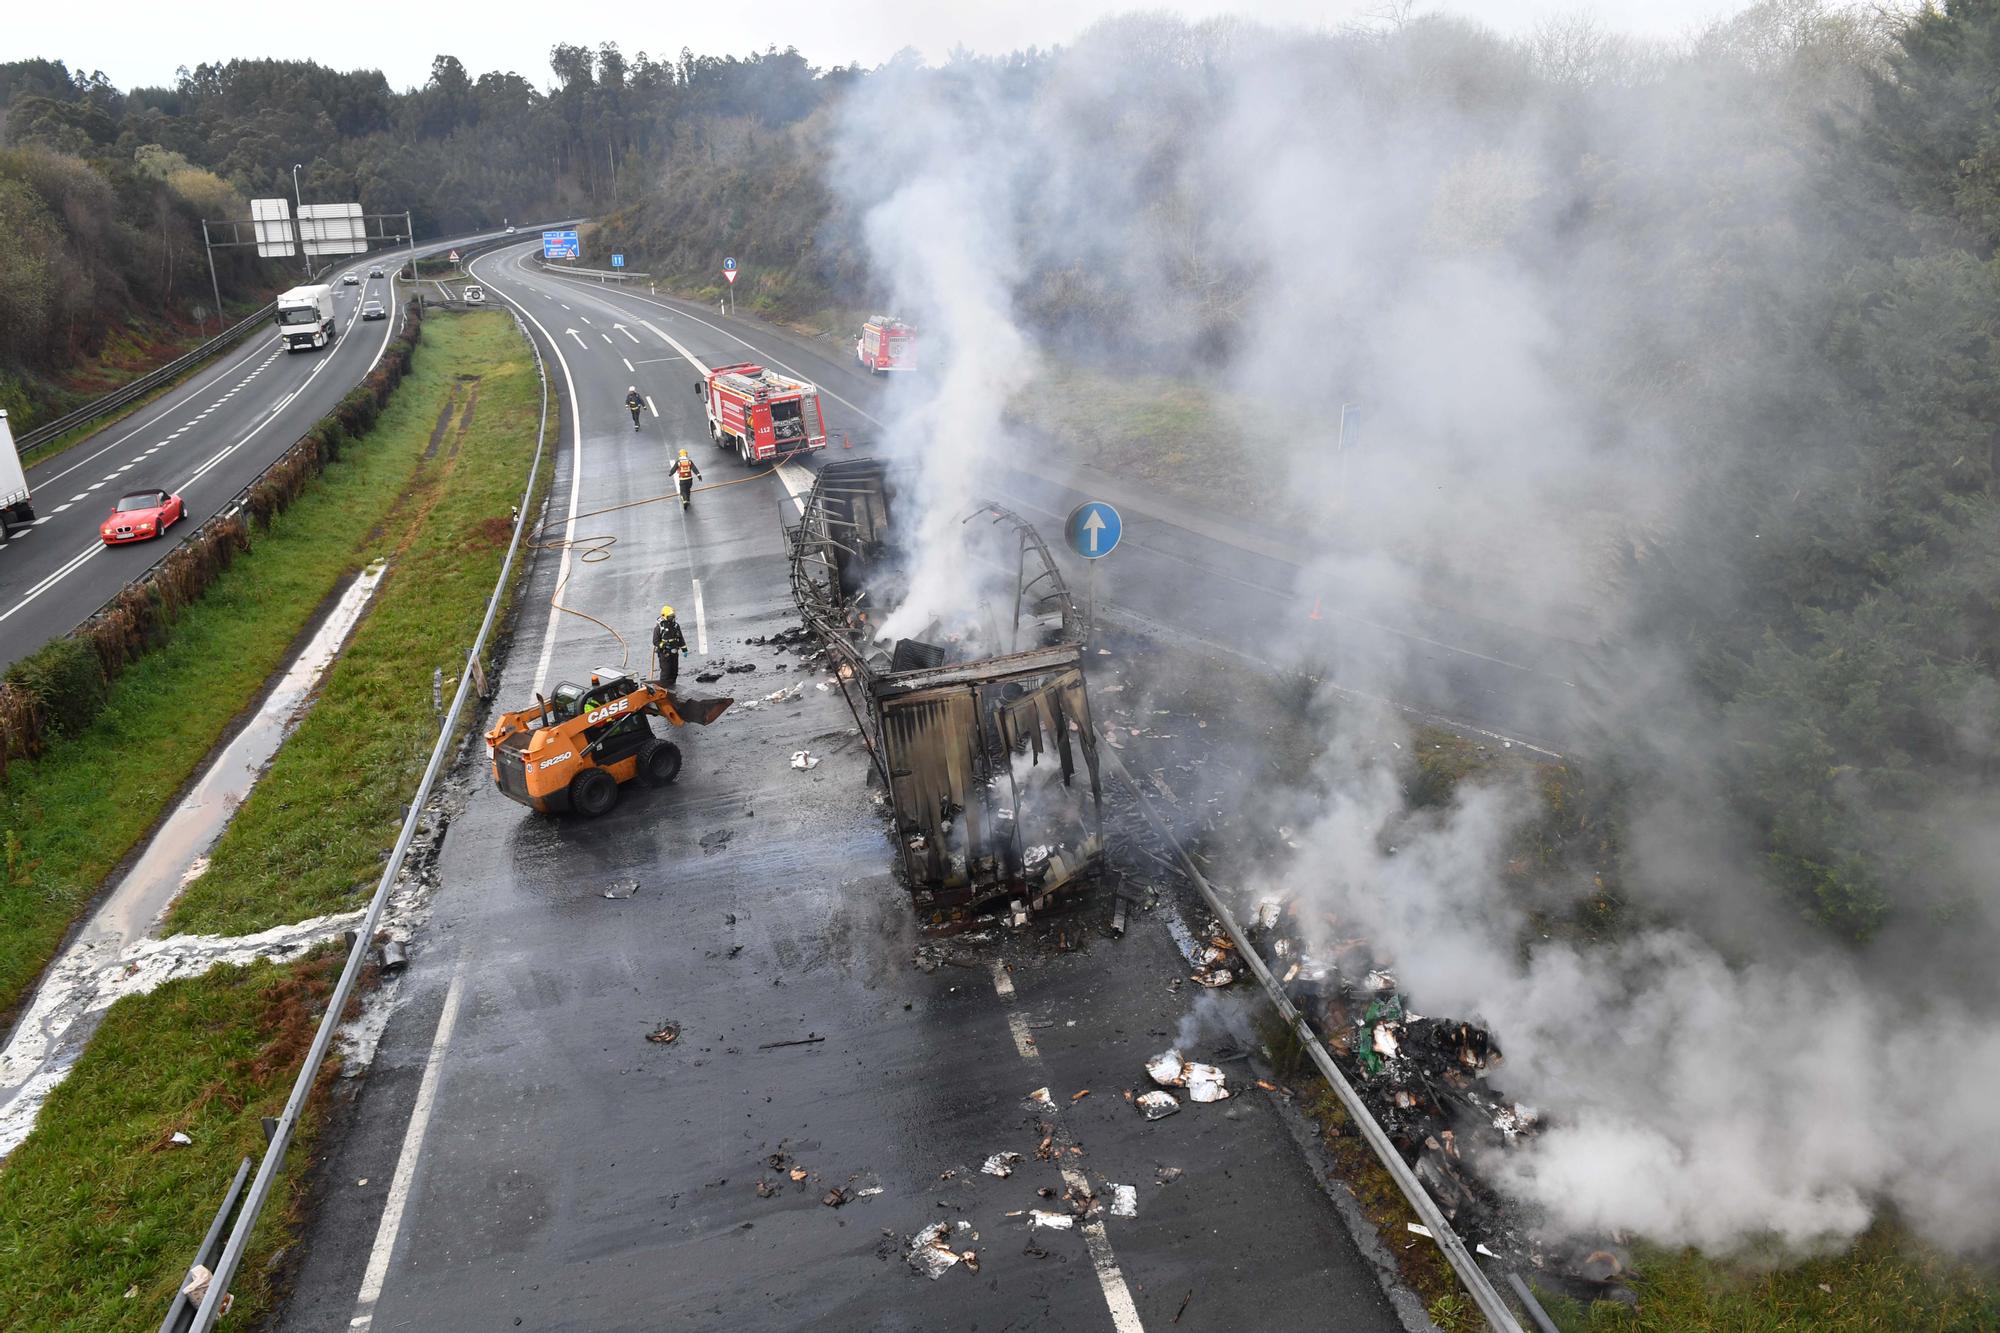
column 520, row 1155
column 205, row 440
column 1182, row 570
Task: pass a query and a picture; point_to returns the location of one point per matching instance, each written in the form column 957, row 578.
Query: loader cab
column 564, row 701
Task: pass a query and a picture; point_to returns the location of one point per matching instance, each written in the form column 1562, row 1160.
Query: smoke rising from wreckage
column 1523, row 281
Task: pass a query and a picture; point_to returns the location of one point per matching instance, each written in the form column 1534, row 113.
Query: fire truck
column 886, row 343
column 761, row 415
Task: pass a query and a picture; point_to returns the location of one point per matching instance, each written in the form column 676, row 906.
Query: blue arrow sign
column 618, row 261
column 1093, row 529
column 728, row 265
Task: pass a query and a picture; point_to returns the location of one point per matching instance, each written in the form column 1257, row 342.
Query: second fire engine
column 761, row 415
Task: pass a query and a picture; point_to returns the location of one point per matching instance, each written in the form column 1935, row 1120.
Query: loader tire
column 592, row 792
column 659, row 763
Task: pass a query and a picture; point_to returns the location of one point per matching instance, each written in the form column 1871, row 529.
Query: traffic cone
column 1314, row 613
column 845, row 443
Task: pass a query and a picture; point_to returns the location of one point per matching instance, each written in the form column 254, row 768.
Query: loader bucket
column 700, row 712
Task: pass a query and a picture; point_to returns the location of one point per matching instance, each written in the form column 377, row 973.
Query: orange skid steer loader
column 574, row 749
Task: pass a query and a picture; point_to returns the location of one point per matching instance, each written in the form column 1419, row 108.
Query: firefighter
column 669, row 646
column 633, row 402
column 685, row 473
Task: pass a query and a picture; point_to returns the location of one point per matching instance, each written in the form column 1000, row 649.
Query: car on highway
column 375, row 272
column 373, row 310
column 141, row 515
column 510, row 231
column 350, row 279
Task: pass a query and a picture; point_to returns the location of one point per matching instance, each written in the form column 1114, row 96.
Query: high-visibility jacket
column 686, row 468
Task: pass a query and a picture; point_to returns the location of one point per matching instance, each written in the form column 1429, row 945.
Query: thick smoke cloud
column 1546, row 272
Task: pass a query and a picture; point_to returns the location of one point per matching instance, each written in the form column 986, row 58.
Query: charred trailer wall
column 993, row 778
column 991, row 764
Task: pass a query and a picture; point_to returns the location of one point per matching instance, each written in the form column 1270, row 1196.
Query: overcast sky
column 140, row 42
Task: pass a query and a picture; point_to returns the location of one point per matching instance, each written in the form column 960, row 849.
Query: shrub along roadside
column 108, row 768
column 42, row 699
column 99, row 1201
column 310, row 835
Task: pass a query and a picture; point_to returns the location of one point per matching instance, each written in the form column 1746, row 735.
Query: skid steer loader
column 573, row 750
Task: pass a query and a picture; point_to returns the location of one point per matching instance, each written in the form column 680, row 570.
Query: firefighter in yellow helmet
column 669, row 646
column 685, row 473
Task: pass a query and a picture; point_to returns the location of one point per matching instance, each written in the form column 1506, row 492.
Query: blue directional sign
column 618, row 261
column 560, row 245
column 1093, row 529
column 729, row 265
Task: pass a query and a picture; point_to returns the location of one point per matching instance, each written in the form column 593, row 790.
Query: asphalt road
column 1180, row 570
column 521, row 1156
column 205, row 440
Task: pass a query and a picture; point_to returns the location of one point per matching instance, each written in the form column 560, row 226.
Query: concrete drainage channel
column 114, row 954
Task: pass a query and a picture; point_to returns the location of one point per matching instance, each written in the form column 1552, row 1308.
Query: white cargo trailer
column 305, row 317
column 16, row 507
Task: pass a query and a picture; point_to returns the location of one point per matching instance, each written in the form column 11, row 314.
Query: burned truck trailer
column 981, row 731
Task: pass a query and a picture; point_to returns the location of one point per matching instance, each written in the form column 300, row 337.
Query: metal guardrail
column 1477, row 1285
column 601, row 274
column 145, row 384
column 279, row 1137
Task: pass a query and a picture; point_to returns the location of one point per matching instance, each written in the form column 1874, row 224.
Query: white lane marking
column 575, row 480
column 62, row 572
column 628, row 363
column 1117, row 1295
column 128, row 467
column 563, row 304
column 606, row 337
column 59, row 508
column 83, row 496
column 406, row 1160
column 584, row 318
column 627, row 332
column 700, row 620
column 93, row 485
column 649, row 403
column 38, row 522
column 797, row 481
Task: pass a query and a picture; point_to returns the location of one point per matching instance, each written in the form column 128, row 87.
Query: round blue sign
column 1093, row 529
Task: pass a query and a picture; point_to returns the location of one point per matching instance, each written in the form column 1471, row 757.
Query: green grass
column 97, row 1202
column 311, row 832
column 1885, row 1280
column 68, row 818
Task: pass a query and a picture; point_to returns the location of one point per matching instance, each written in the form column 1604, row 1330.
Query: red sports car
column 139, row 516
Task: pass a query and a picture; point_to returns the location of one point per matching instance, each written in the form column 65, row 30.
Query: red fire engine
column 886, row 343
column 760, row 414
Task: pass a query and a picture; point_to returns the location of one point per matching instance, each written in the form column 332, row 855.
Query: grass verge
column 100, row 1210
column 312, row 831
column 69, row 817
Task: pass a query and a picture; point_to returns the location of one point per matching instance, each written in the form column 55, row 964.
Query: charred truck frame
column 960, row 744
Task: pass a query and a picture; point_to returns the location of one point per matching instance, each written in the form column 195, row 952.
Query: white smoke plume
column 1478, row 242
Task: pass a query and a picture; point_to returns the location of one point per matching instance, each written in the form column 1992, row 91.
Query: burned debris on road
column 981, row 730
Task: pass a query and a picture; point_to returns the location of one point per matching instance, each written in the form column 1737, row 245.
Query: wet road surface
column 539, row 1164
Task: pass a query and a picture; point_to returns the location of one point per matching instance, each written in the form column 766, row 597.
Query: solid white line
column 1117, row 1295
column 61, row 573
column 575, row 480
column 700, row 620
column 406, row 1160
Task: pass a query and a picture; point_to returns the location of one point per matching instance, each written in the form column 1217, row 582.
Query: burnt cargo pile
column 980, row 728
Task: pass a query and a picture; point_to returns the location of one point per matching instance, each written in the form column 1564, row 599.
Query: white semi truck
column 305, row 317
column 16, row 509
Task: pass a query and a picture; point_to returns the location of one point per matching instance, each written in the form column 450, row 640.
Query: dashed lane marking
column 649, row 405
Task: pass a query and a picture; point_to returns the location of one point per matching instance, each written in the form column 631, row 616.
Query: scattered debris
column 1170, row 1069
column 1157, row 1105
column 804, row 759
column 1076, row 1097
column 1001, row 1164
column 1167, row 1175
column 1041, row 1095
column 708, row 677
column 196, row 1289
column 664, row 1034
column 179, row 1139
column 1214, row 976
column 833, row 1198
column 765, row 1189
column 1165, row 1069
column 1051, row 1221
column 622, row 888
column 797, row 1174
column 1205, row 1084
column 931, row 1252
column 1184, row 1305
column 1124, row 1200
